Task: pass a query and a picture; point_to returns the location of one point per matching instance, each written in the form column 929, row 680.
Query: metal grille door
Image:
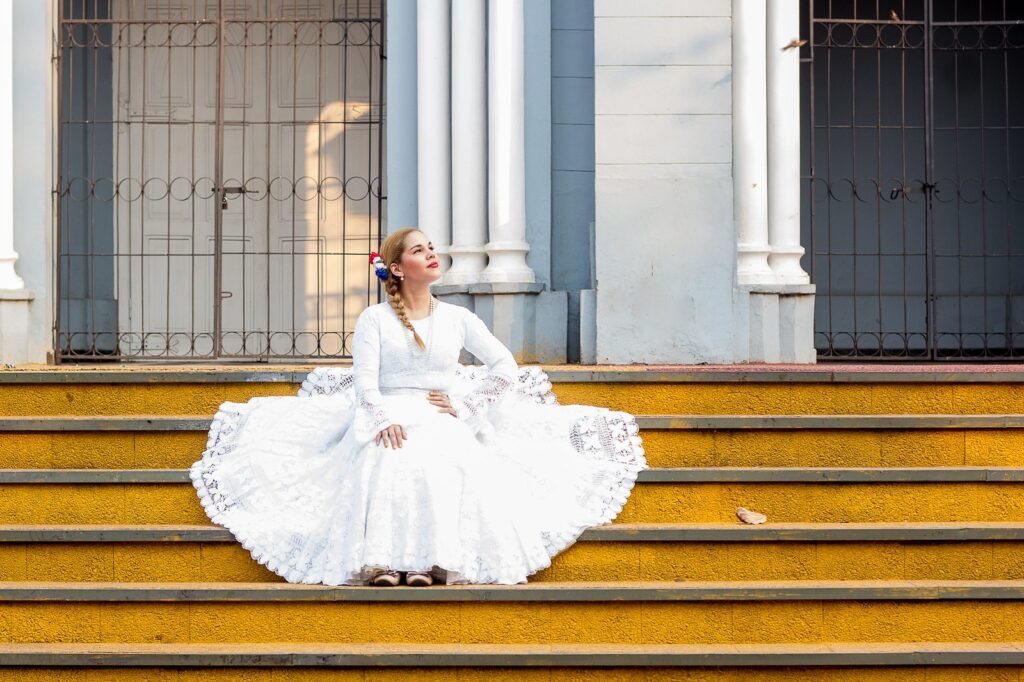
column 220, row 166
column 914, row 177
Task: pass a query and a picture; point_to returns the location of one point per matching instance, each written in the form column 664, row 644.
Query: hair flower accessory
column 379, row 269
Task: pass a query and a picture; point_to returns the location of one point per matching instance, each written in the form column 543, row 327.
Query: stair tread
column 164, row 422
column 935, row 474
column 583, row 591
column 399, row 647
column 943, row 525
column 841, row 373
column 616, row 532
column 517, row 655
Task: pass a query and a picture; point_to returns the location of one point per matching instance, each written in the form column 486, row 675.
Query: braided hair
column 391, row 252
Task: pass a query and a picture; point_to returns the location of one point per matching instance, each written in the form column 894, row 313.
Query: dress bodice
column 387, row 360
column 403, row 364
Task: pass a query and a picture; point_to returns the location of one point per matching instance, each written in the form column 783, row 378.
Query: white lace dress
column 486, row 497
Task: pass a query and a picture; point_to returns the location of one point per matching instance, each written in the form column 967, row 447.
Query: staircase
column 894, row 547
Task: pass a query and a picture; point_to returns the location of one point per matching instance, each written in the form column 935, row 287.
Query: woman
column 411, row 463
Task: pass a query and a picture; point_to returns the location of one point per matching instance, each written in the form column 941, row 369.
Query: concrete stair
column 894, row 547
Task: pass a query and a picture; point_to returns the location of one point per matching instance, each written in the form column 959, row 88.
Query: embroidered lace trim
column 474, row 405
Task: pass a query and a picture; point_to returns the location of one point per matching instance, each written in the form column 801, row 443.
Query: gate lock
column 229, row 190
column 925, row 187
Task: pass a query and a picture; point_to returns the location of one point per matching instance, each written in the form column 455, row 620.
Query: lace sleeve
column 502, row 369
column 371, row 416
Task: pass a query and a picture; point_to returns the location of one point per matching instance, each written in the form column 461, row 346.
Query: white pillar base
column 785, row 263
column 468, row 263
column 752, row 264
column 9, row 279
column 507, row 262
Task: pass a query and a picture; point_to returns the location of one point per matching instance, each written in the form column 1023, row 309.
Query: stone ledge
column 651, row 475
column 658, row 591
column 17, row 295
column 641, row 374
column 412, row 656
column 489, row 288
column 118, row 423
column 831, row 421
column 625, row 532
column 667, row 422
column 781, row 289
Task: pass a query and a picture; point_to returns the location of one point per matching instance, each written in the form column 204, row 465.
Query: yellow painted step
column 143, row 503
column 584, row 561
column 664, row 448
column 100, row 449
column 880, row 396
column 130, row 399
column 825, row 502
column 832, row 448
column 750, row 614
column 781, row 397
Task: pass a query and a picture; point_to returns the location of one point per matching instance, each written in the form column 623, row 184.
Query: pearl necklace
column 413, row 348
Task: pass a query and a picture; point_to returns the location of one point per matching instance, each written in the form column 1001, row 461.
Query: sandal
column 417, row 579
column 385, row 578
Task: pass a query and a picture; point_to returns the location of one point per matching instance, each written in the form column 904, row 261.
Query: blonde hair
column 391, row 252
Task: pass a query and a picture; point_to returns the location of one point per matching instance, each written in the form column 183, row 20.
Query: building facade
column 658, row 181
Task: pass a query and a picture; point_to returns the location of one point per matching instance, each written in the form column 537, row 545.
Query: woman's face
column 419, row 262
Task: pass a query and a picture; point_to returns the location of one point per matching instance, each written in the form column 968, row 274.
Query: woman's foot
column 417, row 579
column 385, row 578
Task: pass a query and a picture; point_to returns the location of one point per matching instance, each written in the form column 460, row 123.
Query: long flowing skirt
column 287, row 477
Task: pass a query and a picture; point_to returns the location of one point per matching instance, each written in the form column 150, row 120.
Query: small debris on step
column 751, row 517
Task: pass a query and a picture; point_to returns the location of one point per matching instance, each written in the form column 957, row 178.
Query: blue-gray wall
column 400, row 116
column 537, row 123
column 572, row 154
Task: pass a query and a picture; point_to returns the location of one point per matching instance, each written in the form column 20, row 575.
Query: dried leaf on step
column 751, row 517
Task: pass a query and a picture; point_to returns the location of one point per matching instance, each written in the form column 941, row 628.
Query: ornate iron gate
column 914, row 177
column 219, row 184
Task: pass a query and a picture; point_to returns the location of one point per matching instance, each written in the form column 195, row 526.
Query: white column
column 506, row 177
column 433, row 123
column 469, row 141
column 749, row 139
column 9, row 279
column 784, row 142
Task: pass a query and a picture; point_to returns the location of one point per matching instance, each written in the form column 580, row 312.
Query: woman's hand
column 442, row 401
column 393, row 435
